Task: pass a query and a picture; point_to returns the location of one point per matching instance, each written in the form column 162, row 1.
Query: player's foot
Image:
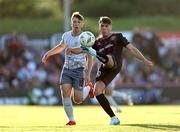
column 89, row 50
column 114, row 121
column 91, row 93
column 71, row 123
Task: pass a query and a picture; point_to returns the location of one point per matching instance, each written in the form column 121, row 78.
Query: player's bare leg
column 125, row 96
column 78, row 96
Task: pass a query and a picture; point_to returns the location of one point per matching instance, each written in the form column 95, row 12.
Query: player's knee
column 65, row 95
column 78, row 100
column 98, row 92
column 99, row 88
column 110, row 62
column 108, row 91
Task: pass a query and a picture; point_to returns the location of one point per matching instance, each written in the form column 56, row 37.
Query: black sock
column 102, row 57
column 105, row 104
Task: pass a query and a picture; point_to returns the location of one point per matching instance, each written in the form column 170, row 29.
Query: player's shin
column 67, row 103
column 105, row 104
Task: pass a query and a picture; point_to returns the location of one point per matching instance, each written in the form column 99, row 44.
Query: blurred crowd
column 166, row 71
column 21, row 67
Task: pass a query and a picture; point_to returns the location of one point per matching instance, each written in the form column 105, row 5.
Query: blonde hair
column 77, row 15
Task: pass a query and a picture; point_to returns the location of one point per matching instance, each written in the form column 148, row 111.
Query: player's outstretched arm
column 136, row 53
column 59, row 48
column 75, row 50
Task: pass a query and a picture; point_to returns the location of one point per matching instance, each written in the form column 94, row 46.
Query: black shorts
column 106, row 75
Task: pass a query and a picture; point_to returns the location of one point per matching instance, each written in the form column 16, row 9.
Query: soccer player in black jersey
column 108, row 48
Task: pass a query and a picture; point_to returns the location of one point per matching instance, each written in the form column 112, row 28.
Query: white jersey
column 72, row 61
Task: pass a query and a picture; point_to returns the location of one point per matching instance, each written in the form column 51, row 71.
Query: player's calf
column 98, row 91
column 78, row 100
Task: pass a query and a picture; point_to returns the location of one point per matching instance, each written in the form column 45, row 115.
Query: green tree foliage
column 22, row 8
column 123, row 8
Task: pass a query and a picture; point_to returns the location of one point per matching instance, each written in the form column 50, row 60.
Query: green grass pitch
column 152, row 118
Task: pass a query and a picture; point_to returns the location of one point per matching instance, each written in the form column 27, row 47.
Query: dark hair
column 77, row 15
column 105, row 19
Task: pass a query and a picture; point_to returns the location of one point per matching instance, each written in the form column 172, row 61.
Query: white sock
column 113, row 102
column 119, row 94
column 68, row 107
column 85, row 91
column 123, row 95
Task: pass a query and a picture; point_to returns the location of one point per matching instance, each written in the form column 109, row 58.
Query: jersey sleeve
column 122, row 40
column 62, row 39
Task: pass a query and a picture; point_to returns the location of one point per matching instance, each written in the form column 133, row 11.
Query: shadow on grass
column 156, row 126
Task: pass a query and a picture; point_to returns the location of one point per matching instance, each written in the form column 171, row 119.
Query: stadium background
column 29, row 28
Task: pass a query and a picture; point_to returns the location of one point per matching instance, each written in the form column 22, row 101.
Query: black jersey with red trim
column 112, row 45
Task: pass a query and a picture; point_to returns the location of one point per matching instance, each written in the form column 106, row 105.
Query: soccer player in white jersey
column 76, row 70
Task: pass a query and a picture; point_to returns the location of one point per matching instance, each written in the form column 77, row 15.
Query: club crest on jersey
column 106, row 47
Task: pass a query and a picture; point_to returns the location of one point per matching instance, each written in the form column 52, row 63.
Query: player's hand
column 45, row 57
column 69, row 50
column 87, row 77
column 74, row 50
column 149, row 64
